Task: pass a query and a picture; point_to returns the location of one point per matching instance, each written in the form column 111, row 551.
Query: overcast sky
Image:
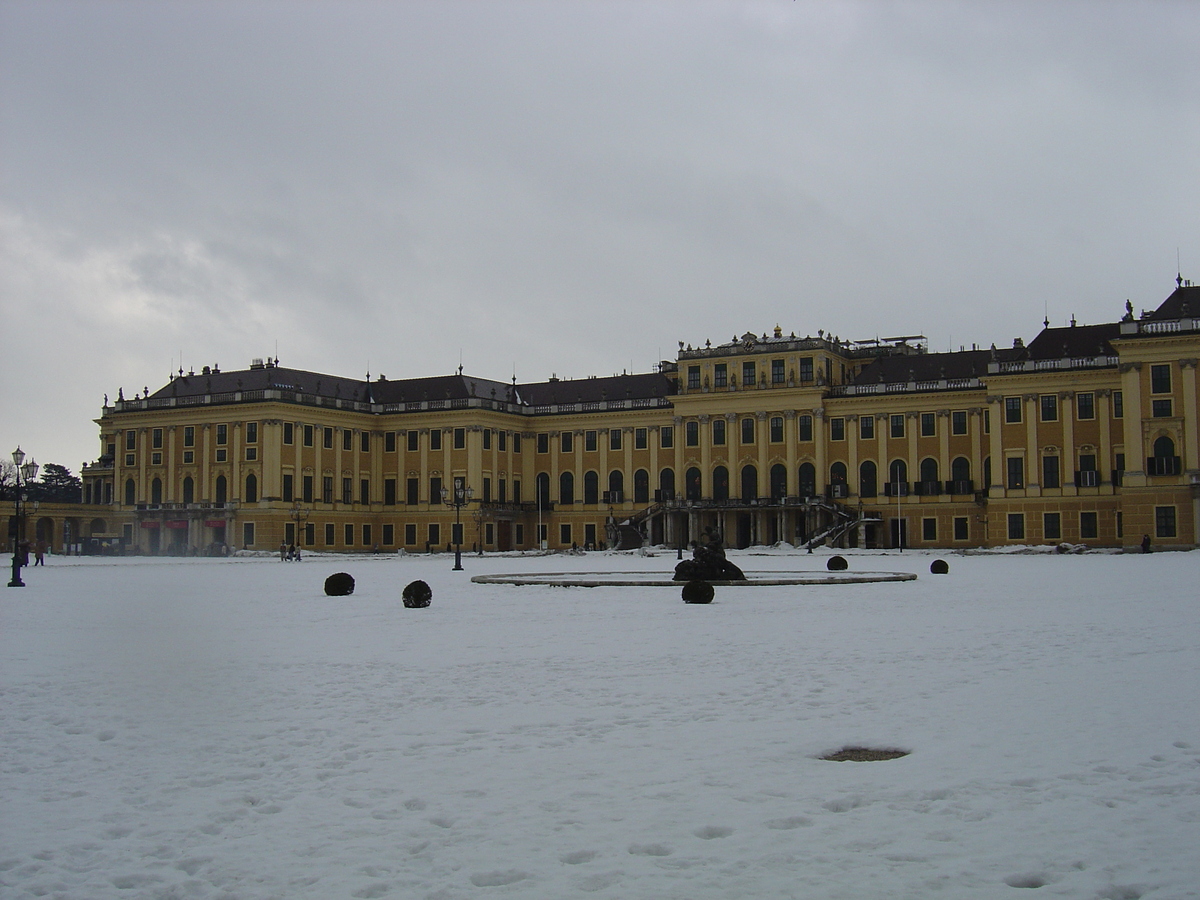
column 567, row 188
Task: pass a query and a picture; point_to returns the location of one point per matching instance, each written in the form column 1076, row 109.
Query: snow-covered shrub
column 939, row 567
column 417, row 595
column 339, row 584
column 698, row 591
column 837, row 564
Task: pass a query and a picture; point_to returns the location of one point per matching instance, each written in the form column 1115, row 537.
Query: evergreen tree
column 58, row 485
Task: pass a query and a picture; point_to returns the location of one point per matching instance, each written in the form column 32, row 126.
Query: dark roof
column 260, row 378
column 442, row 387
column 593, row 390
column 931, row 366
column 1074, row 342
column 1183, row 303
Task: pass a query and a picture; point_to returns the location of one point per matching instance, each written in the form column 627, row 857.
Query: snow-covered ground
column 222, row 729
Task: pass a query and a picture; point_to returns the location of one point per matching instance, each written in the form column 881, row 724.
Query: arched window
column 666, row 483
column 692, row 483
column 251, row 488
column 189, row 490
column 566, row 488
column 897, row 478
column 1164, row 447
column 867, row 479
column 1164, row 461
column 808, row 480
column 929, row 476
column 720, row 489
column 960, row 469
column 543, row 490
column 987, row 472
column 156, row 492
column 837, row 473
column 749, row 483
column 130, row 492
column 616, row 486
column 778, row 481
column 222, row 490
column 641, row 486
column 591, row 488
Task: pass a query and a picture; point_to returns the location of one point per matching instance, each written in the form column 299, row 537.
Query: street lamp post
column 298, row 516
column 23, row 472
column 459, row 497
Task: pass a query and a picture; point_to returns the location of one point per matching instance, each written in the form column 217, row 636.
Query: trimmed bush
column 837, row 564
column 698, row 592
column 939, row 567
column 340, row 584
column 417, row 595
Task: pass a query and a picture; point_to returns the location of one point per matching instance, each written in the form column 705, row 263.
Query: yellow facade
column 1086, row 436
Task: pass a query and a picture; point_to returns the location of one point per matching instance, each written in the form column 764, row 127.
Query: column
column 1033, row 476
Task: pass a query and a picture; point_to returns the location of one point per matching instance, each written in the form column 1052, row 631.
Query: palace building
column 1088, row 434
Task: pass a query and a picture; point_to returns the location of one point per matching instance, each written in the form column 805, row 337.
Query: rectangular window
column 327, row 489
column 156, row 438
column 307, row 489
column 777, row 371
column 130, row 459
column 502, row 441
column 347, row 490
column 718, row 432
column 749, row 374
column 1052, row 526
column 1016, row 526
column 364, row 491
column 1087, row 525
column 222, row 434
column 1160, row 409
column 806, row 368
column 1085, row 405
column 435, row 490
column 156, row 457
column 776, row 429
column 747, row 431
column 251, row 432
column 958, row 421
column 189, row 435
column 720, row 375
column 247, row 534
column 589, row 441
column 987, row 421
column 516, row 493
column 389, row 535
column 251, row 453
column 693, row 377
column 1118, row 405
column 310, row 534
column 1012, row 410
column 502, row 488
column 897, row 426
column 347, row 439
column 414, row 441
column 519, row 534
column 349, row 535
column 1051, row 475
column 806, row 428
column 289, row 433
column 1049, row 407
column 1160, row 380
column 189, row 457
column 222, row 454
column 364, row 442
column 567, row 442
column 929, row 529
column 960, row 528
column 516, row 442
column 288, row 496
column 389, row 492
column 666, row 437
column 487, row 490
column 1164, row 522
column 410, row 534
column 487, row 439
column 543, row 442
column 434, row 533
column 837, row 429
column 1016, row 473
column 866, row 428
column 389, row 442
column 329, row 531
column 564, row 534
column 460, row 438
column 411, row 491
column 327, row 438
column 308, row 435
column 614, row 439
column 435, row 439
column 640, row 439
column 489, row 534
column 928, row 425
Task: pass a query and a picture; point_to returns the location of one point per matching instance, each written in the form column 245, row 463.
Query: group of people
column 39, row 552
column 288, row 552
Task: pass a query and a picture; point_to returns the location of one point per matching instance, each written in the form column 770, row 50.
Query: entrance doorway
column 503, row 535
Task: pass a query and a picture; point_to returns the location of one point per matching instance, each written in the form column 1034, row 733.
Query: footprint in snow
column 709, row 832
column 579, row 856
column 498, row 879
column 650, row 850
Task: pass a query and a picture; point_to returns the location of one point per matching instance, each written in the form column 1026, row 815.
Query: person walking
column 39, row 553
column 282, row 552
column 1145, row 543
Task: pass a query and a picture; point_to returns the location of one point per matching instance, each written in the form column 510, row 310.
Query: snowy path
column 221, row 729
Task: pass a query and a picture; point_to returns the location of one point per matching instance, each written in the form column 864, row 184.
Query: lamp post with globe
column 24, row 472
